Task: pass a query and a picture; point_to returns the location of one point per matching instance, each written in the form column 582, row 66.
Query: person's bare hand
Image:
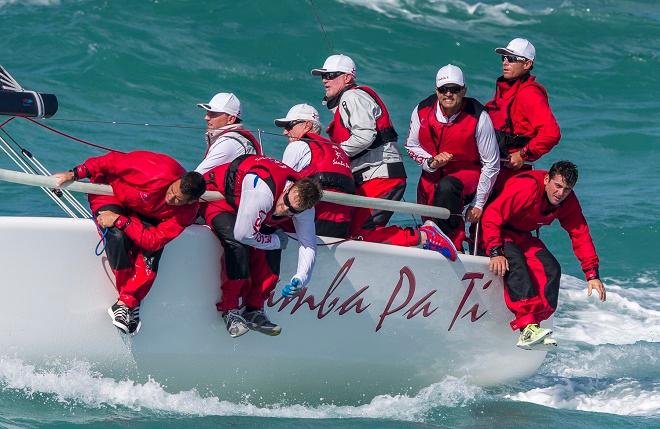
column 106, row 218
column 515, row 161
column 473, row 214
column 63, row 178
column 498, row 265
column 597, row 285
column 440, row 160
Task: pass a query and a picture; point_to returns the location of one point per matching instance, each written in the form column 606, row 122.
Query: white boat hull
column 376, row 319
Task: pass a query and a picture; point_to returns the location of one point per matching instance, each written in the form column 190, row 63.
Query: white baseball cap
column 223, row 102
column 336, row 63
column 449, row 74
column 299, row 112
column 520, row 48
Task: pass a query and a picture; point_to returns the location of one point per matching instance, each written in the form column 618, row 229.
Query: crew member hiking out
column 531, row 274
column 260, row 194
column 154, row 201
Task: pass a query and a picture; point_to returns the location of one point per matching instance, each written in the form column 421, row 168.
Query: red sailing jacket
column 385, row 132
column 228, row 180
column 521, row 109
column 140, row 181
column 245, row 133
column 457, row 137
column 523, row 207
column 329, row 164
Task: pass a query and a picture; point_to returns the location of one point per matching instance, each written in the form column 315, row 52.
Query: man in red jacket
column 154, row 201
column 524, row 124
column 531, row 274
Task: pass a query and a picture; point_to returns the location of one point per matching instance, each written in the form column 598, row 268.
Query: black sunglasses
column 289, row 126
column 454, row 89
column 288, row 205
column 331, row 75
column 513, row 59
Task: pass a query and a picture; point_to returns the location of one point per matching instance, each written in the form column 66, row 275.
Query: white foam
column 605, row 361
column 433, row 13
column 624, row 397
column 30, row 2
column 77, row 383
column 629, row 315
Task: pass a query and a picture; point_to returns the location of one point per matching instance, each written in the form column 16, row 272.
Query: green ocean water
column 150, row 62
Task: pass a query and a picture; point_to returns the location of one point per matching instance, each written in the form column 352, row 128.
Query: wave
column 30, row 2
column 452, row 12
column 608, row 360
column 624, row 397
column 611, row 361
column 76, row 383
column 585, row 374
column 629, row 315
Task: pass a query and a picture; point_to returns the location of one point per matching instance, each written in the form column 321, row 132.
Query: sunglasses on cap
column 288, row 205
column 454, row 89
column 331, row 75
column 289, row 126
column 513, row 59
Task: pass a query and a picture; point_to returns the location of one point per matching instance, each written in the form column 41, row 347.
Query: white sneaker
column 548, row 344
column 532, row 334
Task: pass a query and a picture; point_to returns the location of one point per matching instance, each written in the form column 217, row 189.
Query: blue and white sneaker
column 436, row 240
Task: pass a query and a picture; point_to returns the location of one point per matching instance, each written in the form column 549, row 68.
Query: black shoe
column 235, row 323
column 119, row 313
column 258, row 321
column 134, row 322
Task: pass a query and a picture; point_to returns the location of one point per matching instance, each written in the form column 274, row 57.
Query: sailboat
column 375, row 318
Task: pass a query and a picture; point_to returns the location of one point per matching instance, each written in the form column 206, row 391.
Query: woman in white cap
column 524, row 124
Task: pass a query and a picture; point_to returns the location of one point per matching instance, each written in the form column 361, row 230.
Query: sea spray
column 76, row 384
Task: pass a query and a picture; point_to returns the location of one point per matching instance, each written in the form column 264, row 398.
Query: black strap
column 507, row 140
column 230, row 180
column 336, row 181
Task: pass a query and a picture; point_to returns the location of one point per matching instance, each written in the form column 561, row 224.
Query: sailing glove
column 293, row 288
